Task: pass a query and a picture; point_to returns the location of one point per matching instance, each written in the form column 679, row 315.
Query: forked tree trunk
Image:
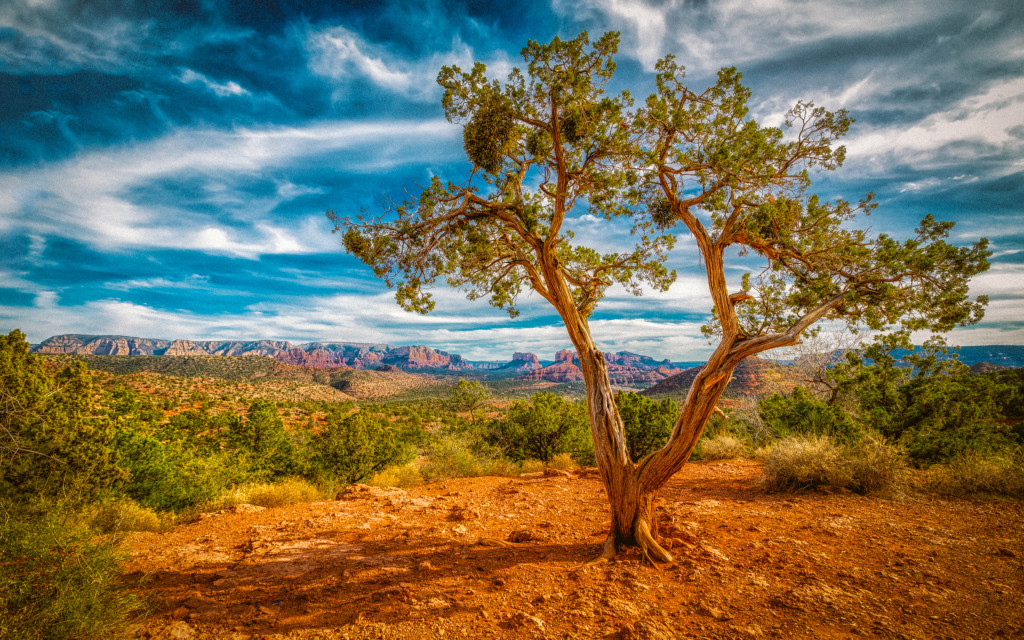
column 632, row 489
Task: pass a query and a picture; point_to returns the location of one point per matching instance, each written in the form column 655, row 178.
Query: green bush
column 949, row 415
column 542, row 428
column 54, row 442
column 172, row 475
column 451, row 456
column 648, row 423
column 798, row 463
column 802, row 413
column 60, row 582
column 353, row 448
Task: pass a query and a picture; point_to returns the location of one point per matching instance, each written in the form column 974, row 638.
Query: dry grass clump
column 405, row 475
column 973, row 473
column 562, row 462
column 124, row 514
column 807, row 462
column 502, row 467
column 723, row 447
column 531, row 466
column 292, row 491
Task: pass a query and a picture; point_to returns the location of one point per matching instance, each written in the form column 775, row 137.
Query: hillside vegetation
column 93, row 446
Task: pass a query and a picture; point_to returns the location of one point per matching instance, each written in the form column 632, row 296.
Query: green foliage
column 801, row 413
column 52, row 442
column 469, row 396
column 452, row 456
column 355, row 447
column 542, row 428
column 648, row 423
column 271, row 453
column 58, row 581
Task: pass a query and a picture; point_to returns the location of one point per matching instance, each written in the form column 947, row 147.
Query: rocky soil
column 505, row 558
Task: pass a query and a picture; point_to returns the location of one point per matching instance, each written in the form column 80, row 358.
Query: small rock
column 556, row 473
column 425, row 566
column 180, row 631
column 460, row 513
column 522, row 619
column 460, row 529
column 244, row 508
column 525, row 535
column 1009, row 553
column 438, row 603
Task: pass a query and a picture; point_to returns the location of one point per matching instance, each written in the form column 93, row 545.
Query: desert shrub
column 648, row 423
column 405, row 475
column 722, row 447
column 948, row 415
column 54, row 442
column 541, row 428
column 562, row 461
column 876, row 467
column 531, row 466
column 797, row 463
column 58, row 581
column 451, row 456
column 174, row 474
column 262, row 435
column 124, row 514
column 355, row 447
column 802, row 413
column 263, row 494
column 502, row 467
column 971, row 473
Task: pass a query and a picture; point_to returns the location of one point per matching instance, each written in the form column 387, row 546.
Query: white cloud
column 708, row 35
column 342, row 55
column 88, row 197
column 984, row 119
column 222, row 89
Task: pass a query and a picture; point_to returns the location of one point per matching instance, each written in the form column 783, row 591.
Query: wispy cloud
column 97, row 187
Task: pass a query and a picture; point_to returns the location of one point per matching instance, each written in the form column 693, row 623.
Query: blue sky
column 165, row 166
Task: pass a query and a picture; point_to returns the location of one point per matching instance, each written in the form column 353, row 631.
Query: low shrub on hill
column 972, row 473
column 798, row 463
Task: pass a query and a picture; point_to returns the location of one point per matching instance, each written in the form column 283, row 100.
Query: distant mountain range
column 624, row 368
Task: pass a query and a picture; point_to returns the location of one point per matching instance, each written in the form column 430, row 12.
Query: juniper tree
column 552, row 142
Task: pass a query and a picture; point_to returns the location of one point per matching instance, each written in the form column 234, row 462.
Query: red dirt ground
column 423, row 563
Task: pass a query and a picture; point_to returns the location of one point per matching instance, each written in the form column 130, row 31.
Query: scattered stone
column 244, row 508
column 460, row 513
column 460, row 529
column 556, row 473
column 525, row 535
column 524, row 620
column 179, row 631
column 438, row 603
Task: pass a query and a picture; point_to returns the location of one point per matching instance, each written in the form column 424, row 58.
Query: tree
column 551, row 141
column 469, row 396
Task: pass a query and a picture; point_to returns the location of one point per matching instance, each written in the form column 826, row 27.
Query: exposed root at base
column 608, row 552
column 651, row 549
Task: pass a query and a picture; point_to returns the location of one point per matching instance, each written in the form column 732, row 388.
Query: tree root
column 608, row 552
column 651, row 549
